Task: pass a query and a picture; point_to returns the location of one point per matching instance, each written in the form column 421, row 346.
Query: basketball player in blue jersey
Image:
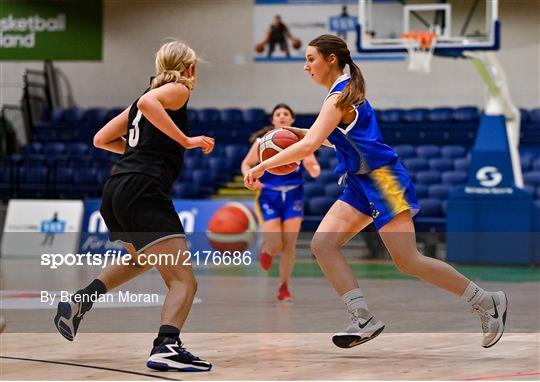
column 378, row 189
column 280, row 204
column 152, row 136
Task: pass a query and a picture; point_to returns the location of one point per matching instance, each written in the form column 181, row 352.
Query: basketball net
column 420, row 47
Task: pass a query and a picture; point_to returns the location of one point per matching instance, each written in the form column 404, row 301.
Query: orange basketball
column 296, row 43
column 259, row 48
column 272, row 143
column 232, row 228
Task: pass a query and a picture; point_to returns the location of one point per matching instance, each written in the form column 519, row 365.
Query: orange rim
column 425, row 39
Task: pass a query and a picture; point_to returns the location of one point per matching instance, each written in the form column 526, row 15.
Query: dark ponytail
column 355, row 92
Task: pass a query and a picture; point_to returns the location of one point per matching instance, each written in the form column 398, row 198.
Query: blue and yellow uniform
column 376, row 183
column 281, row 196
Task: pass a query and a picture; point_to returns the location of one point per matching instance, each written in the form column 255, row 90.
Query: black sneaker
column 170, row 355
column 67, row 319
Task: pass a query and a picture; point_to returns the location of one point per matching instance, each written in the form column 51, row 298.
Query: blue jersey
column 295, row 178
column 359, row 146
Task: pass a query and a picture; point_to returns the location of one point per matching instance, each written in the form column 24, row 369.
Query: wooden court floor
column 240, row 327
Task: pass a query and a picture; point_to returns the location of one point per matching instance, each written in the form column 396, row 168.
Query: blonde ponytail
column 172, row 59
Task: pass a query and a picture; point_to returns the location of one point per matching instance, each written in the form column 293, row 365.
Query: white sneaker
column 364, row 327
column 492, row 311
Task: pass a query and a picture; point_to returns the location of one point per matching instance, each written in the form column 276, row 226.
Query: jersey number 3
column 135, row 132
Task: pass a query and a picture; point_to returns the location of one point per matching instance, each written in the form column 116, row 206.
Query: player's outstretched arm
column 171, row 96
column 300, row 133
column 251, row 160
column 111, row 136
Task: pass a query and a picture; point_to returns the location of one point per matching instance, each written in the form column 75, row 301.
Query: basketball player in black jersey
column 152, row 135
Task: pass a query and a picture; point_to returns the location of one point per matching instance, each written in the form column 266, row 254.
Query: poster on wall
column 283, row 28
column 51, row 30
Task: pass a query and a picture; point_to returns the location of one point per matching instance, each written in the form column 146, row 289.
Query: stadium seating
column 433, row 144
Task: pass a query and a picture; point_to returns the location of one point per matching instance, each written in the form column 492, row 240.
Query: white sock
column 354, row 299
column 473, row 294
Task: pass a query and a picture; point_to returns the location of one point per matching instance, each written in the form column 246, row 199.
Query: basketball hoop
column 420, row 47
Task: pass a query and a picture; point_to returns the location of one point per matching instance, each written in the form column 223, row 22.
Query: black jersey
column 150, row 151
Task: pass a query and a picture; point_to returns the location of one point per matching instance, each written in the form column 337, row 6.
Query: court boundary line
column 516, row 375
column 90, row 367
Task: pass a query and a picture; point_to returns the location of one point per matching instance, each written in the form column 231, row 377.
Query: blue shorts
column 382, row 194
column 277, row 204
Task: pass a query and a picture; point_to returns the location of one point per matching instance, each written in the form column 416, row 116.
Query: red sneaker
column 284, row 294
column 265, row 260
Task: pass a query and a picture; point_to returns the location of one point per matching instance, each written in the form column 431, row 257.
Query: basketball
column 259, row 48
column 233, row 227
column 296, row 43
column 274, row 142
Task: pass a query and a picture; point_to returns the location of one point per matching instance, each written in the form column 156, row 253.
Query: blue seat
column 62, row 181
column 181, row 190
column 428, row 151
column 332, row 163
column 529, row 189
column 453, row 151
column 466, row 113
column 538, row 193
column 328, row 176
column 532, row 178
column 72, row 116
column 320, row 205
column 462, row 164
column 421, row 190
column 416, row 164
column 333, row 190
column 33, row 180
column 55, row 115
column 54, row 149
column 94, row 118
column 209, row 115
column 32, row 148
column 534, row 115
column 235, row 154
column 454, row 178
column 438, row 191
column 390, row 115
column 440, row 114
column 313, row 189
column 526, row 162
column 441, row 164
column 6, row 180
column 324, row 154
column 416, row 115
column 305, row 120
column 193, row 116
column 78, row 149
column 113, row 112
column 428, row 177
column 255, row 116
column 232, row 115
column 524, row 115
column 536, row 164
column 405, row 151
column 431, row 207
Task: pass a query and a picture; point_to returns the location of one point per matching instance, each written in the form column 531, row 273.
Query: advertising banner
column 210, row 225
column 33, row 227
column 51, row 30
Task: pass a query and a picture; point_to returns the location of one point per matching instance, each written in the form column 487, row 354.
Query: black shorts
column 137, row 209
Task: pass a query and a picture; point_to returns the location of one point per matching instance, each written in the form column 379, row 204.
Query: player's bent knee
column 321, row 246
column 407, row 264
